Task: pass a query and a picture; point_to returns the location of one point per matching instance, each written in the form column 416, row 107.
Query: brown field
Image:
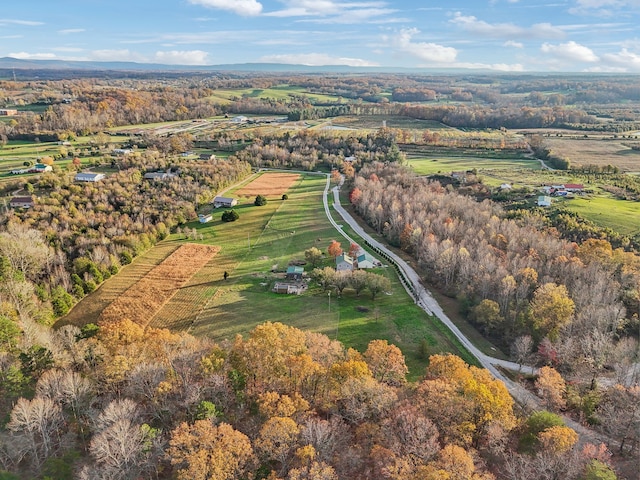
column 597, row 150
column 269, row 184
column 145, row 298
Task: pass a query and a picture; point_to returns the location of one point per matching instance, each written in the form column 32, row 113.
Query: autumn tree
column 313, row 256
column 334, row 248
column 551, row 309
column 386, row 362
column 277, row 441
column 204, row 451
column 354, row 248
column 377, row 284
column 551, row 388
column 487, row 315
column 464, row 400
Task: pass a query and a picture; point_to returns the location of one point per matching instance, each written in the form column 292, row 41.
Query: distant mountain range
column 20, row 64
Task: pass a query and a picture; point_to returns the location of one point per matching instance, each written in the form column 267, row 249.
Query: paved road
column 425, row 300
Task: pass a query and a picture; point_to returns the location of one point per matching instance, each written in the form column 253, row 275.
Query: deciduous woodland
column 123, row 400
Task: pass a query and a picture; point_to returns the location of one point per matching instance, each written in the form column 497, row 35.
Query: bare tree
column 37, row 422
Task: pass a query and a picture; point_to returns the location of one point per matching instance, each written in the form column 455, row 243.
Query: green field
column 280, row 92
column 264, row 239
column 620, row 215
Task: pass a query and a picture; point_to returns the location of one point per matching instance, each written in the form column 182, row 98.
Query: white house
column 344, row 262
column 224, row 202
column 364, row 260
column 544, row 201
column 88, row 177
column 159, row 176
column 21, row 202
column 121, row 151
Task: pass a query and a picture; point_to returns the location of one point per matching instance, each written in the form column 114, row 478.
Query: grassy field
column 620, row 215
column 600, row 150
column 263, row 240
column 280, row 92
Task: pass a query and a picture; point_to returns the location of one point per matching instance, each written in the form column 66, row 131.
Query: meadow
column 279, row 92
column 606, row 211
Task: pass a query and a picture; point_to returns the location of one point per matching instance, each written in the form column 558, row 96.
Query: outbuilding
column 294, row 273
column 88, row 177
column 224, row 202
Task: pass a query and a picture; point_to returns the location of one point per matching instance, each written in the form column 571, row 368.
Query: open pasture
column 269, row 185
column 619, row 215
column 597, row 150
column 279, row 92
column 146, row 297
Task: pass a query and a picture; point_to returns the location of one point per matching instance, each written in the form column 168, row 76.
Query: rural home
column 40, row 168
column 224, row 202
column 544, row 201
column 505, row 186
column 344, row 262
column 206, row 156
column 288, row 288
column 88, row 177
column 7, row 112
column 121, row 151
column 239, row 119
column 202, row 218
column 21, row 202
column 364, row 260
column 294, row 273
column 159, row 176
column 573, row 187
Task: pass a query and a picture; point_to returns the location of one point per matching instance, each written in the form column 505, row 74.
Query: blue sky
column 502, row 35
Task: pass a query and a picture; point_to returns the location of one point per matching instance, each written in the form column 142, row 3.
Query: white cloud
column 246, row 8
column 513, row 44
column 427, row 52
column 624, row 59
column 122, row 55
column 505, row 30
column 498, row 67
column 335, row 12
column 176, row 57
column 603, row 8
column 571, row 51
column 27, row 23
column 32, row 56
column 67, row 31
column 316, row 60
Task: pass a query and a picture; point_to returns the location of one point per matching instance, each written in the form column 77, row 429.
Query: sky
column 499, row 35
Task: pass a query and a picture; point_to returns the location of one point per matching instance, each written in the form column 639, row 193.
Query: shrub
column 285, row 196
column 230, row 216
column 260, row 201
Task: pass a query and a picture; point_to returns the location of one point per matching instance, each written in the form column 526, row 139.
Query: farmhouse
column 239, row 119
column 88, row 177
column 21, row 202
column 224, row 202
column 364, row 260
column 206, row 156
column 288, row 288
column 573, row 187
column 121, row 151
column 202, row 218
column 40, row 168
column 344, row 262
column 295, row 273
column 7, row 112
column 159, row 176
column 544, row 201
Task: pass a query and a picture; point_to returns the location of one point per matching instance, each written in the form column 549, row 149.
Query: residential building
column 21, row 202
column 89, row 177
column 344, row 262
column 224, row 202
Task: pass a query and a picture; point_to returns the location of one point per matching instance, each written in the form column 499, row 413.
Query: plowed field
column 269, row 185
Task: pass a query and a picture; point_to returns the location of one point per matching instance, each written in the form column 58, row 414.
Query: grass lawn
column 264, row 239
column 448, row 164
column 620, row 215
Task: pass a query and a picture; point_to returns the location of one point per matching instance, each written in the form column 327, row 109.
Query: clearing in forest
column 144, row 299
column 269, row 184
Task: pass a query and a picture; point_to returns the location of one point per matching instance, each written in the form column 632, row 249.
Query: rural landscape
column 319, row 276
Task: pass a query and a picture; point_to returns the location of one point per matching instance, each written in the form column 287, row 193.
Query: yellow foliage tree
column 203, row 451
